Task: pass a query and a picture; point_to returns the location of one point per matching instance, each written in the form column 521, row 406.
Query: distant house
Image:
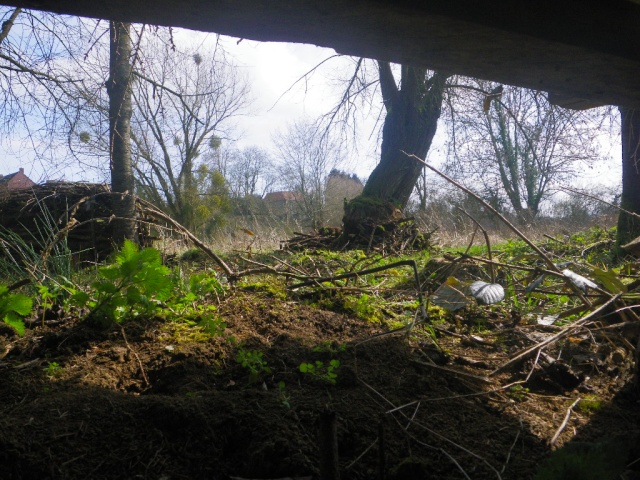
column 283, row 204
column 15, row 181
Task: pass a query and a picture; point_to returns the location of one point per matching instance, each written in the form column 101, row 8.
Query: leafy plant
column 364, row 307
column 518, row 392
column 330, row 347
column 131, row 286
column 202, row 284
column 283, row 396
column 318, row 369
column 14, row 306
column 53, row 369
column 253, row 362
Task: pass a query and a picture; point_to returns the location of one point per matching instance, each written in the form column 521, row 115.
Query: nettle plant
column 134, row 285
column 13, row 307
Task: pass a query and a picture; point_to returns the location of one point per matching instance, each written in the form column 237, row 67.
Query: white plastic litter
column 579, row 281
column 486, row 293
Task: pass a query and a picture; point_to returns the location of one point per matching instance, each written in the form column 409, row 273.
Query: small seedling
column 331, row 347
column 53, row 370
column 253, row 362
column 518, row 392
column 283, row 396
column 327, row 373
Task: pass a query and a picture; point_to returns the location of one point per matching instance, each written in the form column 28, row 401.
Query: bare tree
column 413, row 104
column 306, row 157
column 38, row 82
column 119, row 89
column 249, row 172
column 185, row 102
column 516, row 146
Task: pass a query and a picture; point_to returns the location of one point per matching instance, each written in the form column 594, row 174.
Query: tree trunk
column 628, row 225
column 119, row 90
column 410, row 125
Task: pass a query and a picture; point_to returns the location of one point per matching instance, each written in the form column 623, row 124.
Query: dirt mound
column 159, row 399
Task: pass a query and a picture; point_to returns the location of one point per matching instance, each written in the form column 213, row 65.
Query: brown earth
column 156, row 399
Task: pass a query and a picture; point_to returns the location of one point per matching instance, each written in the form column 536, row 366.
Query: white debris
column 486, row 293
column 579, row 281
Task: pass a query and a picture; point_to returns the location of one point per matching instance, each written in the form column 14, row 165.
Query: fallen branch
column 150, row 209
column 409, row 263
column 453, row 371
column 564, row 332
column 511, row 226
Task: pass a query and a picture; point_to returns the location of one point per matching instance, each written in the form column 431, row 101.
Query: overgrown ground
column 233, row 382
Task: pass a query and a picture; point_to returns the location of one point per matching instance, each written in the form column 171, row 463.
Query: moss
column 273, row 289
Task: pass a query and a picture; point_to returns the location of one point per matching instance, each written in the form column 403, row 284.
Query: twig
column 267, row 269
column 564, row 423
column 578, row 192
column 431, row 431
column 151, row 210
column 409, row 263
column 18, row 284
column 486, row 239
column 135, row 354
column 511, row 226
column 362, row 454
column 506, row 462
column 565, row 331
column 454, row 372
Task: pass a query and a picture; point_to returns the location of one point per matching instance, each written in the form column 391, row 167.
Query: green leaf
column 80, row 298
column 18, row 303
column 16, row 322
column 609, row 280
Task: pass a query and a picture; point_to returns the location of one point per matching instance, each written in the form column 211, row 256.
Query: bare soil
column 156, row 399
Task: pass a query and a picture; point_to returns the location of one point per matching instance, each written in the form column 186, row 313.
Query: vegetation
column 316, row 331
column 218, row 339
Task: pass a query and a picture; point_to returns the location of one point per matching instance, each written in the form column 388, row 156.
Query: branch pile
column 79, row 211
column 395, row 237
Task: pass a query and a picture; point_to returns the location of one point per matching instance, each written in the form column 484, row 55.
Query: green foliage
column 365, row 306
column 253, row 362
column 330, row 347
column 199, row 287
column 273, row 289
column 283, row 396
column 131, row 286
column 321, row 371
column 13, row 307
column 53, row 370
column 518, row 392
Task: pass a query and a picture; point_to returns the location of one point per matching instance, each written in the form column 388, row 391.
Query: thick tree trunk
column 628, row 225
column 409, row 127
column 119, row 90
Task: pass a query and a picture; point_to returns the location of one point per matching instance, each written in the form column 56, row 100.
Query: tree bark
column 628, row 225
column 119, row 90
column 413, row 111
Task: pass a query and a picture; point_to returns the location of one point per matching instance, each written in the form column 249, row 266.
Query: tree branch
column 7, row 24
